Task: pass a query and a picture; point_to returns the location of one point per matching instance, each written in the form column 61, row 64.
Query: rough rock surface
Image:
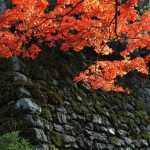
column 39, row 99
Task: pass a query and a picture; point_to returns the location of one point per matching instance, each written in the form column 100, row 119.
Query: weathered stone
column 79, row 117
column 127, row 140
column 79, row 98
column 69, row 129
column 97, row 119
column 52, row 147
column 81, row 141
column 106, row 112
column 33, row 121
column 128, row 148
column 41, row 147
column 144, row 143
column 77, row 127
column 122, row 133
column 58, row 128
column 89, row 126
column 103, row 129
column 62, row 109
column 116, row 141
column 142, row 128
column 70, row 110
column 67, row 146
column 74, row 116
column 111, row 131
column 39, row 135
column 48, row 127
column 137, row 129
column 20, row 77
column 137, row 143
column 68, row 139
column 23, row 92
column 89, row 133
column 132, row 146
column 25, row 104
column 61, row 118
column 105, row 122
column 124, row 126
column 148, row 127
column 75, row 146
column 16, row 63
column 130, row 107
column 131, row 115
column 99, row 146
column 47, row 115
column 3, row 6
column 98, row 137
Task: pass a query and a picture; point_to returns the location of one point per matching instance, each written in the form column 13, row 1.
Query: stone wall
column 40, row 99
column 53, row 112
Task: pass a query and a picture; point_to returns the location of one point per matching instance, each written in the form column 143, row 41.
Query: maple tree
column 76, row 24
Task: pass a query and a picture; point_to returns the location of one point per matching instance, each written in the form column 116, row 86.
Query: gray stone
column 48, row 127
column 130, row 107
column 98, row 137
column 79, row 117
column 128, row 148
column 127, row 140
column 81, row 141
column 105, row 122
column 75, row 146
column 132, row 146
column 97, row 119
column 142, row 128
column 52, row 147
column 117, row 142
column 20, row 77
column 25, row 104
column 68, row 139
column 89, row 126
column 99, row 146
column 23, row 92
column 122, row 133
column 89, row 133
column 137, row 129
column 131, row 115
column 124, row 126
column 106, row 112
column 144, row 143
column 79, row 98
column 41, row 147
column 69, row 129
column 115, row 107
column 62, row 109
column 33, row 121
column 103, row 129
column 16, row 63
column 111, row 131
column 61, row 118
column 148, row 127
column 58, row 128
column 67, row 146
column 70, row 110
column 88, row 88
column 74, row 116
column 16, row 66
column 2, row 6
column 137, row 143
column 39, row 135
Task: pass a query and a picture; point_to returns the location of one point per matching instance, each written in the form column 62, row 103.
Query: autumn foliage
column 75, row 24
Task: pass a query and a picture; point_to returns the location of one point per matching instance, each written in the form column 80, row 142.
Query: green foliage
column 12, row 141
